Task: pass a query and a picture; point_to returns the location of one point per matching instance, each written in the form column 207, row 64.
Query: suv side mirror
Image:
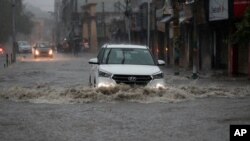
column 161, row 63
column 93, row 61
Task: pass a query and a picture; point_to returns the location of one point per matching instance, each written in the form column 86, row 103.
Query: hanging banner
column 218, row 10
column 240, row 7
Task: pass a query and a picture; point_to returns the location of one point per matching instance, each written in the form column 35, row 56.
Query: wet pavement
column 205, row 119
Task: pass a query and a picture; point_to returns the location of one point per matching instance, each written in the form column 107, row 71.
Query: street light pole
column 13, row 59
column 194, row 43
column 103, row 22
column 128, row 15
column 176, row 37
column 148, row 43
column 195, row 46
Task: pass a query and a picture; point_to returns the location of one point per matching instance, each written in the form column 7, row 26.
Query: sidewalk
column 215, row 77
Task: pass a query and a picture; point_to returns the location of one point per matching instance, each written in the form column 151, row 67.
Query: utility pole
column 195, row 44
column 103, row 21
column 176, row 38
column 149, row 11
column 13, row 59
column 76, row 6
column 128, row 15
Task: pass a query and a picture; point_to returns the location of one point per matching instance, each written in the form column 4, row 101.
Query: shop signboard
column 218, row 10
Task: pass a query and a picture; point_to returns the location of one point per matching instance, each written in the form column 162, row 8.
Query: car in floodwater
column 24, row 47
column 126, row 64
column 42, row 49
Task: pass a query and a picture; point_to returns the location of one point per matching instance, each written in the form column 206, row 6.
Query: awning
column 161, row 24
column 166, row 19
column 184, row 20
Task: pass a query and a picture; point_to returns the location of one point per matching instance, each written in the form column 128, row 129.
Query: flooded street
column 49, row 99
column 64, row 80
column 204, row 119
column 124, row 70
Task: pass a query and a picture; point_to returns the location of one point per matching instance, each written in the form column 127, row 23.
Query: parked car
column 126, row 64
column 24, row 47
column 42, row 49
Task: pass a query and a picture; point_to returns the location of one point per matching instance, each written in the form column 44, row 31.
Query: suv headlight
column 37, row 52
column 50, row 52
column 104, row 74
column 158, row 76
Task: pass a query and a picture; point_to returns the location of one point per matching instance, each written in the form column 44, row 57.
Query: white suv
column 126, row 64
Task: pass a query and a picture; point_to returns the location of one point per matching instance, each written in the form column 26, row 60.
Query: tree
column 5, row 20
column 23, row 19
column 242, row 34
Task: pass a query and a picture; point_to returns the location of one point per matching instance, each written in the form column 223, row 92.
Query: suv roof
column 124, row 46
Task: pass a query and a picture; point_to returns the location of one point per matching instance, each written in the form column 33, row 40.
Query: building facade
column 205, row 28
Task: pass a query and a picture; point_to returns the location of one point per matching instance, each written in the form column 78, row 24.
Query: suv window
column 102, row 55
column 23, row 43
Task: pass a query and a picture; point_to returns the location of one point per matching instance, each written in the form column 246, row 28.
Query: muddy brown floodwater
column 49, row 99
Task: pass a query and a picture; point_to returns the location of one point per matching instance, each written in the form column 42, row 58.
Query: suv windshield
column 23, row 43
column 127, row 56
column 43, row 45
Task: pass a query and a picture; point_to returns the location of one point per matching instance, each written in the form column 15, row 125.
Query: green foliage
column 24, row 24
column 242, row 35
column 5, row 20
column 23, row 19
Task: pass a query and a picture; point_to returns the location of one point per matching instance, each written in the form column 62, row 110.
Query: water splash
column 43, row 93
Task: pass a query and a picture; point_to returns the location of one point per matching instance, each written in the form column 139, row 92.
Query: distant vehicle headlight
column 158, row 76
column 37, row 52
column 104, row 74
column 50, row 52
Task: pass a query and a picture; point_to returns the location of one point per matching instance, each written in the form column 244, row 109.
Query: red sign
column 240, row 7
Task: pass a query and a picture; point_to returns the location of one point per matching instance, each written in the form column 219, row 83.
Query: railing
column 6, row 59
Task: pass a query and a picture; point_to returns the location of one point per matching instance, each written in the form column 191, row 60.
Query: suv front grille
column 132, row 79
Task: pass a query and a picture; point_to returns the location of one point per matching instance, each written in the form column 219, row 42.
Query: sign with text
column 218, row 10
column 239, row 132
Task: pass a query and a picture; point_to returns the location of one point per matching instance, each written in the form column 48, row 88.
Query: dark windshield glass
column 43, row 45
column 23, row 43
column 128, row 56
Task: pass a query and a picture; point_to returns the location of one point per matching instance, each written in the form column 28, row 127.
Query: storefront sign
column 240, row 7
column 218, row 10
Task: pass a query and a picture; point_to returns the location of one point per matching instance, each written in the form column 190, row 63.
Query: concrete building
column 101, row 20
column 89, row 25
column 68, row 22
